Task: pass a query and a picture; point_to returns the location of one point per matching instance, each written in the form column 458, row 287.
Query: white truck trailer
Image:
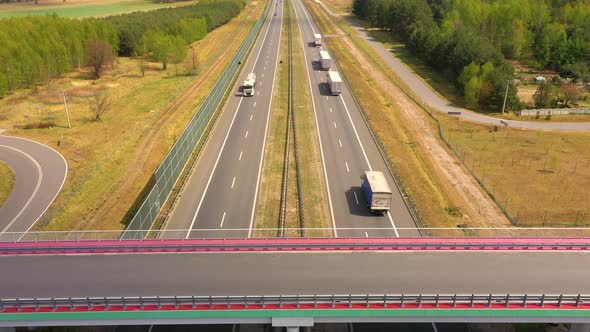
column 377, row 191
column 334, row 82
column 325, row 60
column 317, row 39
column 249, row 84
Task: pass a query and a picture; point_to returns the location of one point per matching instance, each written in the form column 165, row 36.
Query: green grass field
column 6, row 182
column 87, row 10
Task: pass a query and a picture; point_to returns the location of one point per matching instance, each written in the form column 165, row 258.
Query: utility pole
column 63, row 93
column 193, row 58
column 505, row 96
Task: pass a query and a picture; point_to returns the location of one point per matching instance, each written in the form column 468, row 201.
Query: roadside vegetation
column 313, row 187
column 6, row 182
column 37, row 49
column 111, row 160
column 539, row 177
column 76, row 8
column 268, row 209
column 433, row 193
column 468, row 43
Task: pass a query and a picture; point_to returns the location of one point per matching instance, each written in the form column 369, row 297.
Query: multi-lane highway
column 347, row 151
column 40, row 173
column 221, row 195
column 222, row 191
column 289, row 273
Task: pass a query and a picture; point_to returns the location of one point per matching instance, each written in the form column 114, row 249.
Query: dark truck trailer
column 377, row 191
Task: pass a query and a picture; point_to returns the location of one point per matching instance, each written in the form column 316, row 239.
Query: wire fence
column 170, row 169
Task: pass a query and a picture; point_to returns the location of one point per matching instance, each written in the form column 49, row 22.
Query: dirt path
column 482, row 210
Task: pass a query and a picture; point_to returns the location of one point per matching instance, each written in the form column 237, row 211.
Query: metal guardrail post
column 559, row 300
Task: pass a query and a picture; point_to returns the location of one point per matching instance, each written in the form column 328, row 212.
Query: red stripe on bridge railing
column 292, row 244
column 310, row 302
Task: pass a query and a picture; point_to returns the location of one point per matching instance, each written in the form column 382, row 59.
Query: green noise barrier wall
column 170, row 169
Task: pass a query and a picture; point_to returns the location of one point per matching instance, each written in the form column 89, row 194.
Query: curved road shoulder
column 39, row 172
column 435, row 101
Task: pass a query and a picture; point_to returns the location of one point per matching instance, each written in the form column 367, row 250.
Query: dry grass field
column 111, row 160
column 6, row 182
column 82, row 8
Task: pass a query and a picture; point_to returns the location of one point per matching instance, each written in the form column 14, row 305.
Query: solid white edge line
column 353, row 127
column 63, row 181
column 317, row 127
column 265, row 130
column 356, row 133
column 37, row 186
column 434, row 327
column 190, row 229
column 225, row 139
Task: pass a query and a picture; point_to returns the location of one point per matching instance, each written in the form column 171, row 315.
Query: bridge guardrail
column 171, row 167
column 292, row 245
column 285, row 302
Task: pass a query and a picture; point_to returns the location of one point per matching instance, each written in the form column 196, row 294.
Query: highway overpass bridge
column 294, row 282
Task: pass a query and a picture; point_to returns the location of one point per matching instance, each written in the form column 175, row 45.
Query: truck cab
column 317, row 39
column 249, row 84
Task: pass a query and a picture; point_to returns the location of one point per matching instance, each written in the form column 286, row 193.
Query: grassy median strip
column 269, row 201
column 6, row 182
column 315, row 196
column 111, row 160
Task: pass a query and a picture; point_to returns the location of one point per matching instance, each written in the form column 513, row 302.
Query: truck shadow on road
column 324, row 89
column 356, row 203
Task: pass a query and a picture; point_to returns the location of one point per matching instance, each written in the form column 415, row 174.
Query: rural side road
column 39, row 172
column 425, row 92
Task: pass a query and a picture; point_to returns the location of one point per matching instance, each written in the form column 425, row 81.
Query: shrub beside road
column 6, row 182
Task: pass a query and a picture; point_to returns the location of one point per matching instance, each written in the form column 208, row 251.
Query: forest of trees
column 36, row 49
column 173, row 21
column 39, row 48
column 469, row 40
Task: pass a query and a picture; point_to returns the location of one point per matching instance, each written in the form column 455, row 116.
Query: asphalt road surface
column 348, row 150
column 222, row 192
column 425, row 272
column 426, row 93
column 40, row 173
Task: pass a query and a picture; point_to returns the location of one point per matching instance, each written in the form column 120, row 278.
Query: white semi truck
column 377, row 191
column 325, row 60
column 317, row 39
column 334, row 82
column 249, row 84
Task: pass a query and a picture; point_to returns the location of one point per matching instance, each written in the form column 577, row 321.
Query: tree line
column 38, row 48
column 470, row 40
column 186, row 21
